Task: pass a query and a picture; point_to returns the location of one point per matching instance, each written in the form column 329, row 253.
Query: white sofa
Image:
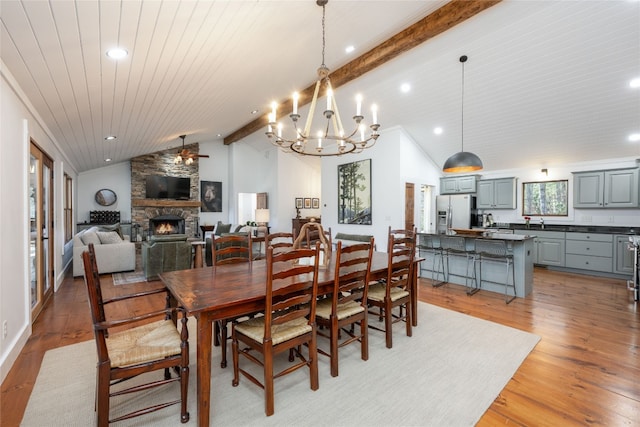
column 112, row 255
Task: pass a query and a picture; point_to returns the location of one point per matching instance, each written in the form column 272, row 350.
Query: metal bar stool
column 496, row 251
column 456, row 246
column 428, row 245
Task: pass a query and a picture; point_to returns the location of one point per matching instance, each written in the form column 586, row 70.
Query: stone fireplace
column 143, row 210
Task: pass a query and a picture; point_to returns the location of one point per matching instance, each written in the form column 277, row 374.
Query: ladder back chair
column 347, row 304
column 280, row 241
column 229, row 249
column 395, row 291
column 135, row 348
column 288, row 323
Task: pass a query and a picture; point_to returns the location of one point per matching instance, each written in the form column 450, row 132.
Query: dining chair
column 136, row 347
column 313, row 236
column 288, row 323
column 229, row 249
column 395, row 291
column 347, row 304
column 280, row 241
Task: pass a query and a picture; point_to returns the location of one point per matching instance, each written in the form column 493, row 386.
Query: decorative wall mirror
column 106, row 197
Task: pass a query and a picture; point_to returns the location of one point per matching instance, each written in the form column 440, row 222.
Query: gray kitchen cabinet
column 497, row 193
column 606, row 189
column 622, row 256
column 458, row 184
column 548, row 246
column 587, row 251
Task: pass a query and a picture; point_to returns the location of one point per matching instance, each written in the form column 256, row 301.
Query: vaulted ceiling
column 546, row 82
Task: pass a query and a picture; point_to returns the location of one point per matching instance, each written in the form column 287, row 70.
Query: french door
column 41, row 224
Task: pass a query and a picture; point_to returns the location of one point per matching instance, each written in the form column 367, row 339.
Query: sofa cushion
column 355, row 237
column 109, row 237
column 114, row 227
column 90, row 237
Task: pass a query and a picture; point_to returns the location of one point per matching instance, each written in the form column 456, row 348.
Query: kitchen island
column 520, row 246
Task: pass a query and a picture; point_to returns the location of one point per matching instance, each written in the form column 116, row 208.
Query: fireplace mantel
column 163, row 203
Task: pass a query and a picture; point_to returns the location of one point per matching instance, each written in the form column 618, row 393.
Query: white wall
column 116, row 177
column 395, row 160
column 20, row 124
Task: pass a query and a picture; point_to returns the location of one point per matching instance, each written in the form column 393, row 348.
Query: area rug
column 447, row 374
column 128, row 277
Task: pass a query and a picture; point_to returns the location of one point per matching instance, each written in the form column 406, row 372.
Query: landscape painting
column 354, row 193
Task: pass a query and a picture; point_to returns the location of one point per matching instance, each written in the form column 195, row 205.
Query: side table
column 197, row 257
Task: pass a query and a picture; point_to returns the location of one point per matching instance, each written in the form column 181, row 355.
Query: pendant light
column 464, row 161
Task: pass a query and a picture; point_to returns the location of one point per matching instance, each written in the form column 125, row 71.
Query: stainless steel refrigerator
column 456, row 211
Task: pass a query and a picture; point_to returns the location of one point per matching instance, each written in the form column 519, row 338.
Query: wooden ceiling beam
column 441, row 20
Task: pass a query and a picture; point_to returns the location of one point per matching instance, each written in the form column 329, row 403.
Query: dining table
column 233, row 290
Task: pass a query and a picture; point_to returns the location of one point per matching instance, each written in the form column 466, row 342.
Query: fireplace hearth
column 166, row 224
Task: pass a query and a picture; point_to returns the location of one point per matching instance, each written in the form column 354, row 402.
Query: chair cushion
column 254, row 329
column 323, row 309
column 378, row 291
column 144, row 343
column 90, row 237
column 109, row 237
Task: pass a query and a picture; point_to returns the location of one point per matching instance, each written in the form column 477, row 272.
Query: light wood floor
column 584, row 371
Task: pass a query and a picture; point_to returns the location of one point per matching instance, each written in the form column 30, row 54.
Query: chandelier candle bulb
column 358, row 105
column 329, row 94
column 374, row 112
column 296, row 95
column 273, row 112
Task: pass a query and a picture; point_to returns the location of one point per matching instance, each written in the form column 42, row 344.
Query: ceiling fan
column 186, row 155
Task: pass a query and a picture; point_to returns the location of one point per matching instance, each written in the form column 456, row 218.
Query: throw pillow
column 90, row 237
column 109, row 237
column 222, row 228
column 114, row 227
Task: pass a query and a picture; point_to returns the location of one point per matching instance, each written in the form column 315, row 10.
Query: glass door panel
column 40, row 223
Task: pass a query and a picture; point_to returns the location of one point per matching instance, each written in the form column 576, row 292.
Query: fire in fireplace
column 166, row 224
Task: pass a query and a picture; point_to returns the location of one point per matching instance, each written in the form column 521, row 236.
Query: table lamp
column 262, row 216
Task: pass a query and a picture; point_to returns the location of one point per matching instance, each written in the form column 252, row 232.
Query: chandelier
column 331, row 140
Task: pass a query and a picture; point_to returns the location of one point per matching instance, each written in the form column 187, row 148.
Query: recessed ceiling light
column 219, row 135
column 634, row 137
column 110, row 137
column 108, row 159
column 349, row 49
column 405, row 87
column 635, row 83
column 437, row 130
column 117, row 53
column 254, row 112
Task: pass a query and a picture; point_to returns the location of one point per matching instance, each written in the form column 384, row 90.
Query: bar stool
column 496, row 251
column 456, row 246
column 428, row 245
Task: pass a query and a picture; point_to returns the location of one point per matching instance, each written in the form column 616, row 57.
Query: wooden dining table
column 232, row 290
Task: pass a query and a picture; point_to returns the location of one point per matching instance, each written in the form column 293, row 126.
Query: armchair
column 165, row 253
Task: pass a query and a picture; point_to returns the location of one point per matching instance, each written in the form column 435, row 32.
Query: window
column 549, row 198
column 68, row 208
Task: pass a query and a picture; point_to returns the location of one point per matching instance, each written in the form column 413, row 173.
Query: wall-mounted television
column 168, row 187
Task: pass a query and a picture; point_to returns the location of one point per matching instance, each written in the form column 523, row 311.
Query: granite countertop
column 571, row 228
column 490, row 235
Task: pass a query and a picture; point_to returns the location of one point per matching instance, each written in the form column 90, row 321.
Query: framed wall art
column 315, row 203
column 210, row 196
column 299, row 203
column 354, row 193
column 307, row 203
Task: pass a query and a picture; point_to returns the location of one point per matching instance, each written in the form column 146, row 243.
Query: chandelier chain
column 323, row 36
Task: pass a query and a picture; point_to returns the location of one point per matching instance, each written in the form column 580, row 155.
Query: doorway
column 41, row 272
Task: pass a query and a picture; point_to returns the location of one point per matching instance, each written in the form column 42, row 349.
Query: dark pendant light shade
column 462, row 161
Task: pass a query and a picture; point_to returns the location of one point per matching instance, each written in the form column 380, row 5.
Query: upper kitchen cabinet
column 606, row 189
column 458, row 184
column 497, row 193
